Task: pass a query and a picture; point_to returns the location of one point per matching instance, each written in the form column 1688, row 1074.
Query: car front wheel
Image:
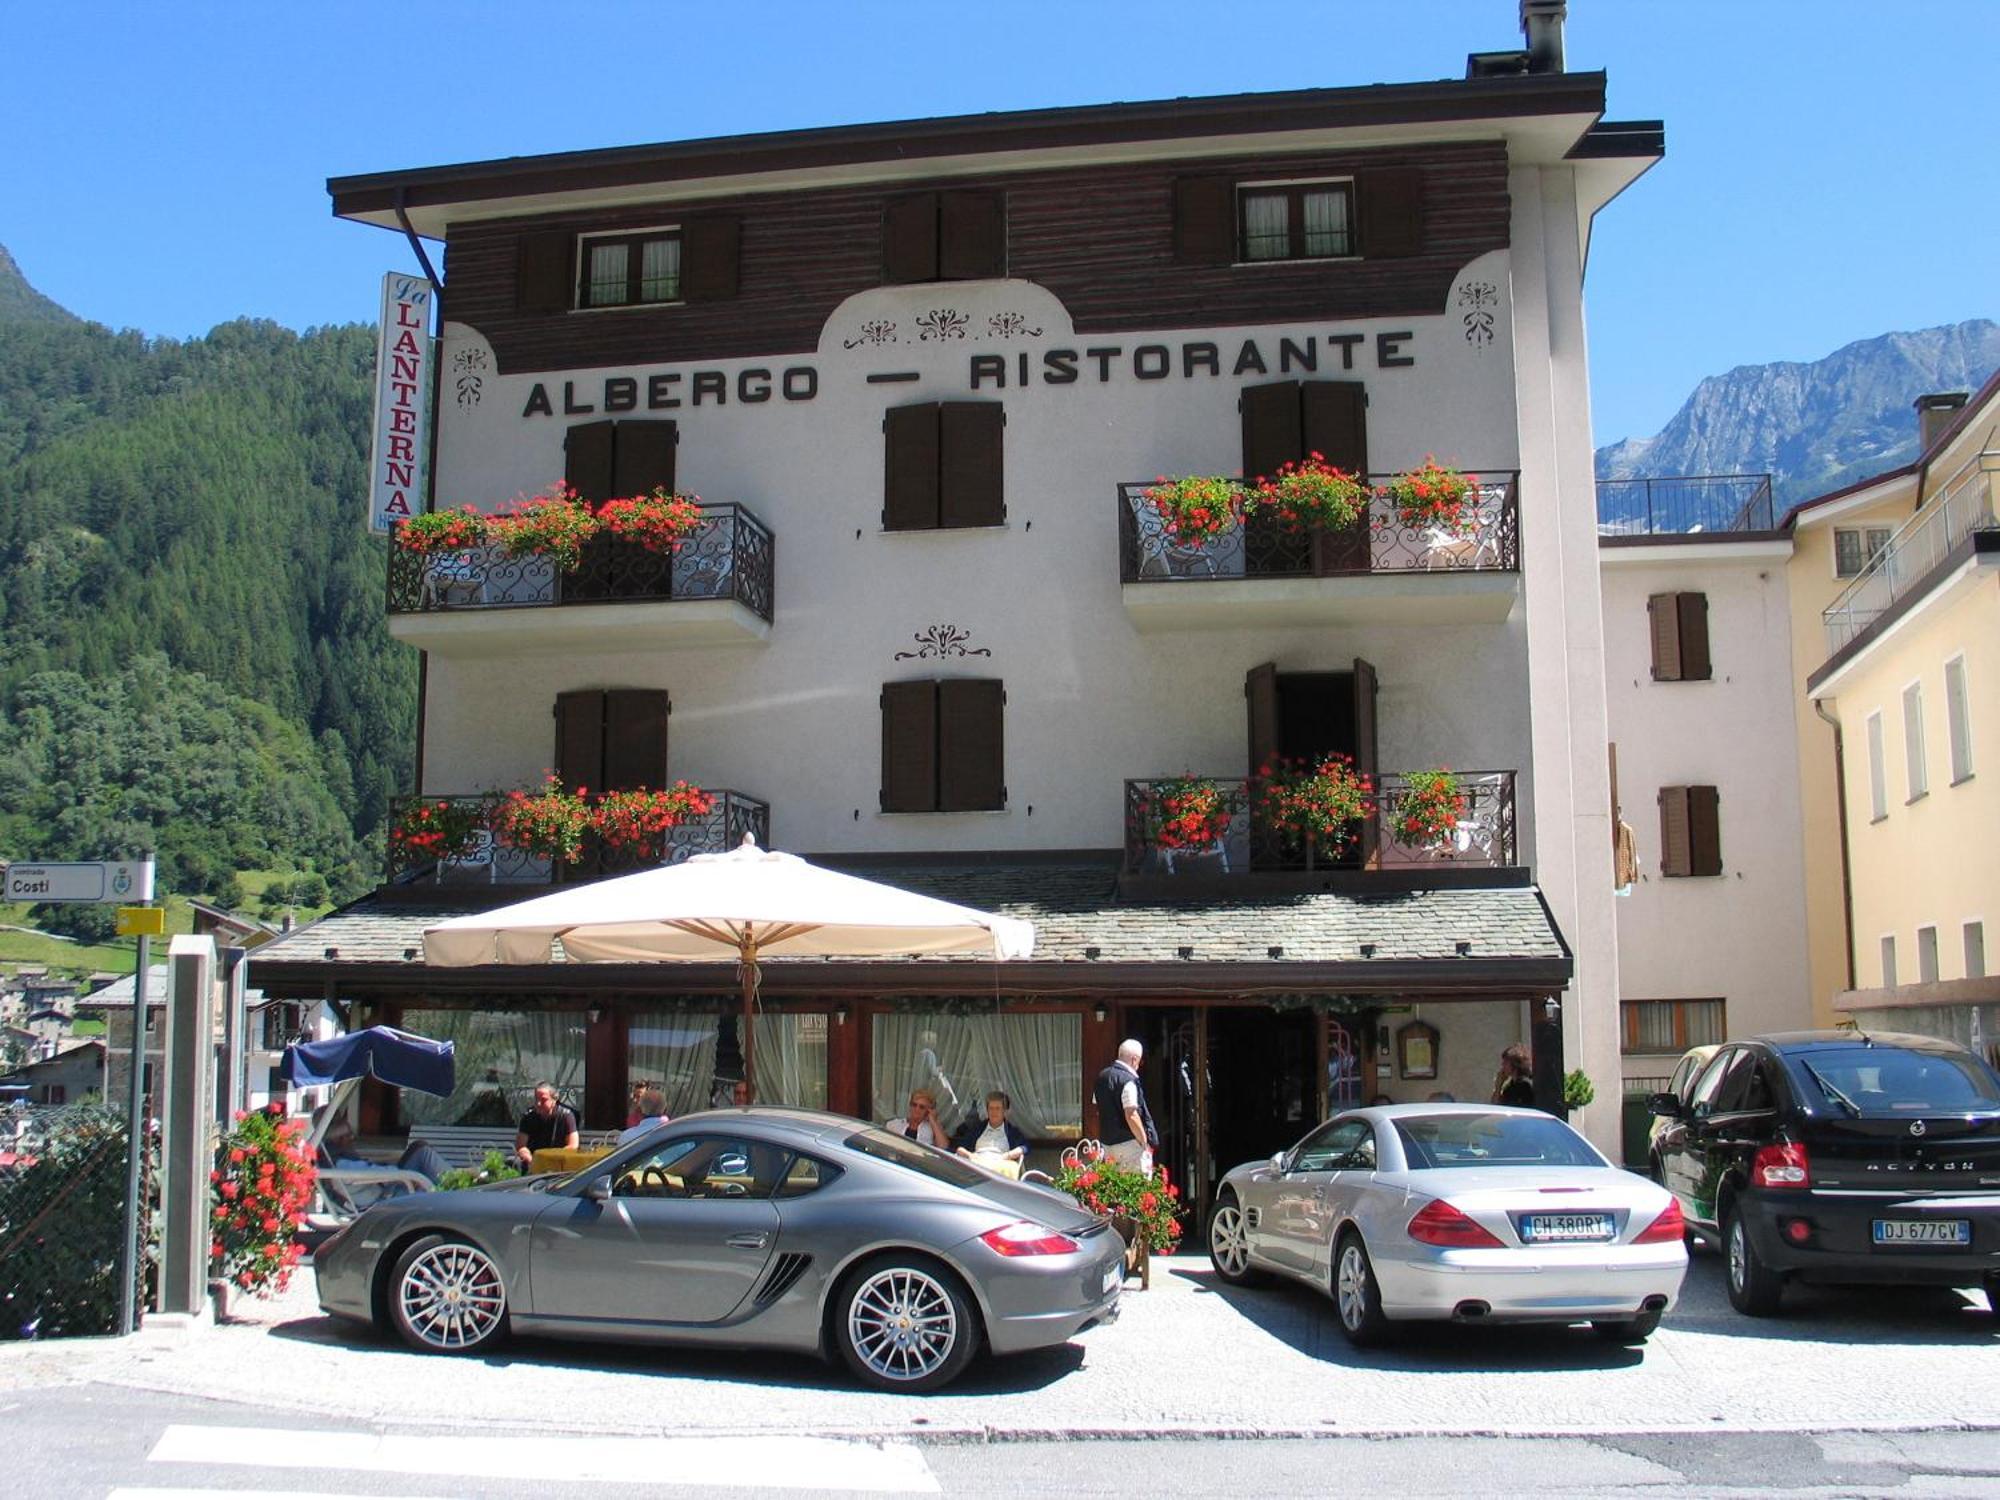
column 1356, row 1297
column 447, row 1297
column 1754, row 1288
column 1229, row 1243
column 905, row 1325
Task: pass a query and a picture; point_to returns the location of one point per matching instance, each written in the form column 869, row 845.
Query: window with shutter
column 545, row 262
column 1294, row 221
column 959, row 235
column 944, row 466
column 1674, row 856
column 1915, row 767
column 943, row 747
column 610, row 741
column 712, row 247
column 629, row 268
column 909, row 747
column 1390, row 211
column 1690, row 831
column 1878, row 772
column 1678, row 624
column 1204, row 221
column 1958, row 720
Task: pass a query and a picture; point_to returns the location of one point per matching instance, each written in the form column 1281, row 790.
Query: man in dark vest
column 1124, row 1123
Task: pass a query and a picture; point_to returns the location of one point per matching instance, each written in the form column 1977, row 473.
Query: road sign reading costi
column 120, row 880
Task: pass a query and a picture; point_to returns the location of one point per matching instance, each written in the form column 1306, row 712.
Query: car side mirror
column 1666, row 1106
column 598, row 1189
column 1278, row 1161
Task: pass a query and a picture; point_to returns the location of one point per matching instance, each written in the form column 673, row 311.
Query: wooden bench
column 466, row 1145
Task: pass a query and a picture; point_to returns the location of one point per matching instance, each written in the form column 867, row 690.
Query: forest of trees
column 193, row 654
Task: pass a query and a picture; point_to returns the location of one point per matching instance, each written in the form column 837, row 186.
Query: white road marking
column 802, row 1463
column 163, row 1494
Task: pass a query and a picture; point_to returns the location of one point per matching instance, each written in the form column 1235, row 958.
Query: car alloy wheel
column 907, row 1327
column 1229, row 1242
column 1356, row 1297
column 1754, row 1288
column 448, row 1296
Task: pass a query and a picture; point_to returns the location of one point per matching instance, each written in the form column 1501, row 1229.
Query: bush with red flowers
column 1188, row 812
column 554, row 524
column 1197, row 508
column 659, row 522
column 548, row 824
column 1321, row 800
column 442, row 531
column 1433, row 498
column 1428, row 808
column 1153, row 1204
column 1312, row 495
column 437, row 829
column 262, row 1185
column 633, row 820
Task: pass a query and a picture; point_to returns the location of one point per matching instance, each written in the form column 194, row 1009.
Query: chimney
column 1542, row 25
column 1935, row 413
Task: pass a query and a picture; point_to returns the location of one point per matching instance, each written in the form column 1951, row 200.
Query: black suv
column 1839, row 1156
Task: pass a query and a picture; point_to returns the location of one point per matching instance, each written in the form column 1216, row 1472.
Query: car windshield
column 1891, row 1081
column 928, row 1160
column 1495, row 1140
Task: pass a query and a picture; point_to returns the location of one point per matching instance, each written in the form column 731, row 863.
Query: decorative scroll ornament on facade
column 942, row 323
column 942, row 641
column 874, row 331
column 469, row 366
column 1479, row 298
column 1010, row 325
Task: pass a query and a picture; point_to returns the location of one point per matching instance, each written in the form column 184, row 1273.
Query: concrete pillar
column 187, row 1122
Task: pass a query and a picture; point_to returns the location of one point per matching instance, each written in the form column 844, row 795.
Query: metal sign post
column 135, row 1121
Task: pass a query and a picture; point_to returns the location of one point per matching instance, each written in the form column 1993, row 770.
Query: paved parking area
column 1186, row 1356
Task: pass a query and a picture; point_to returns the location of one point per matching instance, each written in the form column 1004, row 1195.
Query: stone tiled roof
column 1078, row 919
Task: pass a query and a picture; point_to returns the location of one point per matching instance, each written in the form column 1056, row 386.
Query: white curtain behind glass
column 1036, row 1059
column 1266, row 226
column 1326, row 223
column 660, row 271
column 501, row 1056
column 608, row 274
column 676, row 1052
column 790, row 1055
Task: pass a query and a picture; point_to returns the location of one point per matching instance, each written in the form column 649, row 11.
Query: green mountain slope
column 182, row 525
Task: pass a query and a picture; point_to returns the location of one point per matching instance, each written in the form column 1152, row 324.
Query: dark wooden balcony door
column 1302, row 717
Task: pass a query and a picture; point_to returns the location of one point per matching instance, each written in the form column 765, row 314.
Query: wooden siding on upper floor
column 1101, row 239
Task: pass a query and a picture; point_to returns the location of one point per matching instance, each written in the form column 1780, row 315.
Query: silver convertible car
column 744, row 1229
column 1478, row 1213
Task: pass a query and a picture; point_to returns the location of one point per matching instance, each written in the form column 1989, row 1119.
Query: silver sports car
column 747, row 1229
column 1477, row 1213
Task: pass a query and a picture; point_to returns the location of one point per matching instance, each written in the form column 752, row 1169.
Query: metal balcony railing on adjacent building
column 485, row 859
column 1238, row 839
column 1963, row 504
column 729, row 555
column 1149, row 554
column 1685, row 505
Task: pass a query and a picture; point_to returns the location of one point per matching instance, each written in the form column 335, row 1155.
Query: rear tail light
column 1025, row 1237
column 1784, row 1165
column 1439, row 1223
column 1668, row 1229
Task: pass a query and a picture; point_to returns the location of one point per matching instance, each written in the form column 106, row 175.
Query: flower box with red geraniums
column 634, row 820
column 549, row 824
column 554, row 524
column 1318, row 800
column 438, row 831
column 659, row 522
column 1151, row 1204
column 435, row 531
column 1428, row 809
column 1433, row 498
column 1312, row 495
column 261, row 1187
column 1188, row 812
column 1198, row 508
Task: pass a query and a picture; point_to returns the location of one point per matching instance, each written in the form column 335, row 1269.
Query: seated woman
column 994, row 1142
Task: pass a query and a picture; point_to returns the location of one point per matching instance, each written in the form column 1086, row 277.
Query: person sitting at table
column 652, row 1114
column 921, row 1123
column 548, row 1124
column 993, row 1138
column 337, row 1150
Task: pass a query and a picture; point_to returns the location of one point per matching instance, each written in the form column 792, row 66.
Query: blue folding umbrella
column 397, row 1057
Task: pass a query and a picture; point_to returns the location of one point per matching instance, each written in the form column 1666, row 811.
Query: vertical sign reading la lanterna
column 402, row 402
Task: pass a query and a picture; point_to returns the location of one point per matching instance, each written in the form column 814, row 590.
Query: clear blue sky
column 1829, row 172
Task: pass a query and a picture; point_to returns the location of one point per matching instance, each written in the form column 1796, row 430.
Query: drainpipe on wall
column 1840, row 806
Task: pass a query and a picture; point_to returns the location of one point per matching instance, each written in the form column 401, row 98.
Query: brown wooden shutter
column 580, row 762
column 1692, row 613
column 1663, row 617
column 1272, row 430
column 1366, row 760
column 910, row 238
column 972, row 770
column 909, row 747
column 971, row 484
column 710, row 253
column 1389, row 211
column 1333, row 422
column 910, row 468
column 643, row 457
column 972, row 235
column 1204, row 221
column 543, row 262
column 1675, row 841
column 587, row 461
column 635, row 740
column 1260, row 689
column 1704, row 808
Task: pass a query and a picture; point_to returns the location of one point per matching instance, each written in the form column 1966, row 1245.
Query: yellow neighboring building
column 1895, row 595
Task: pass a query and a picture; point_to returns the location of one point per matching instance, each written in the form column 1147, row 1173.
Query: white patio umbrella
column 754, row 902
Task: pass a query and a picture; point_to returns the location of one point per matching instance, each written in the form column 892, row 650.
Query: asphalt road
column 103, row 1443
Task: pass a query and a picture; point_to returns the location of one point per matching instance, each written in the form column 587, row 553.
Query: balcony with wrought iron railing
column 714, row 587
column 1236, row 837
column 1637, row 511
column 1963, row 504
column 482, row 856
column 1257, row 573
